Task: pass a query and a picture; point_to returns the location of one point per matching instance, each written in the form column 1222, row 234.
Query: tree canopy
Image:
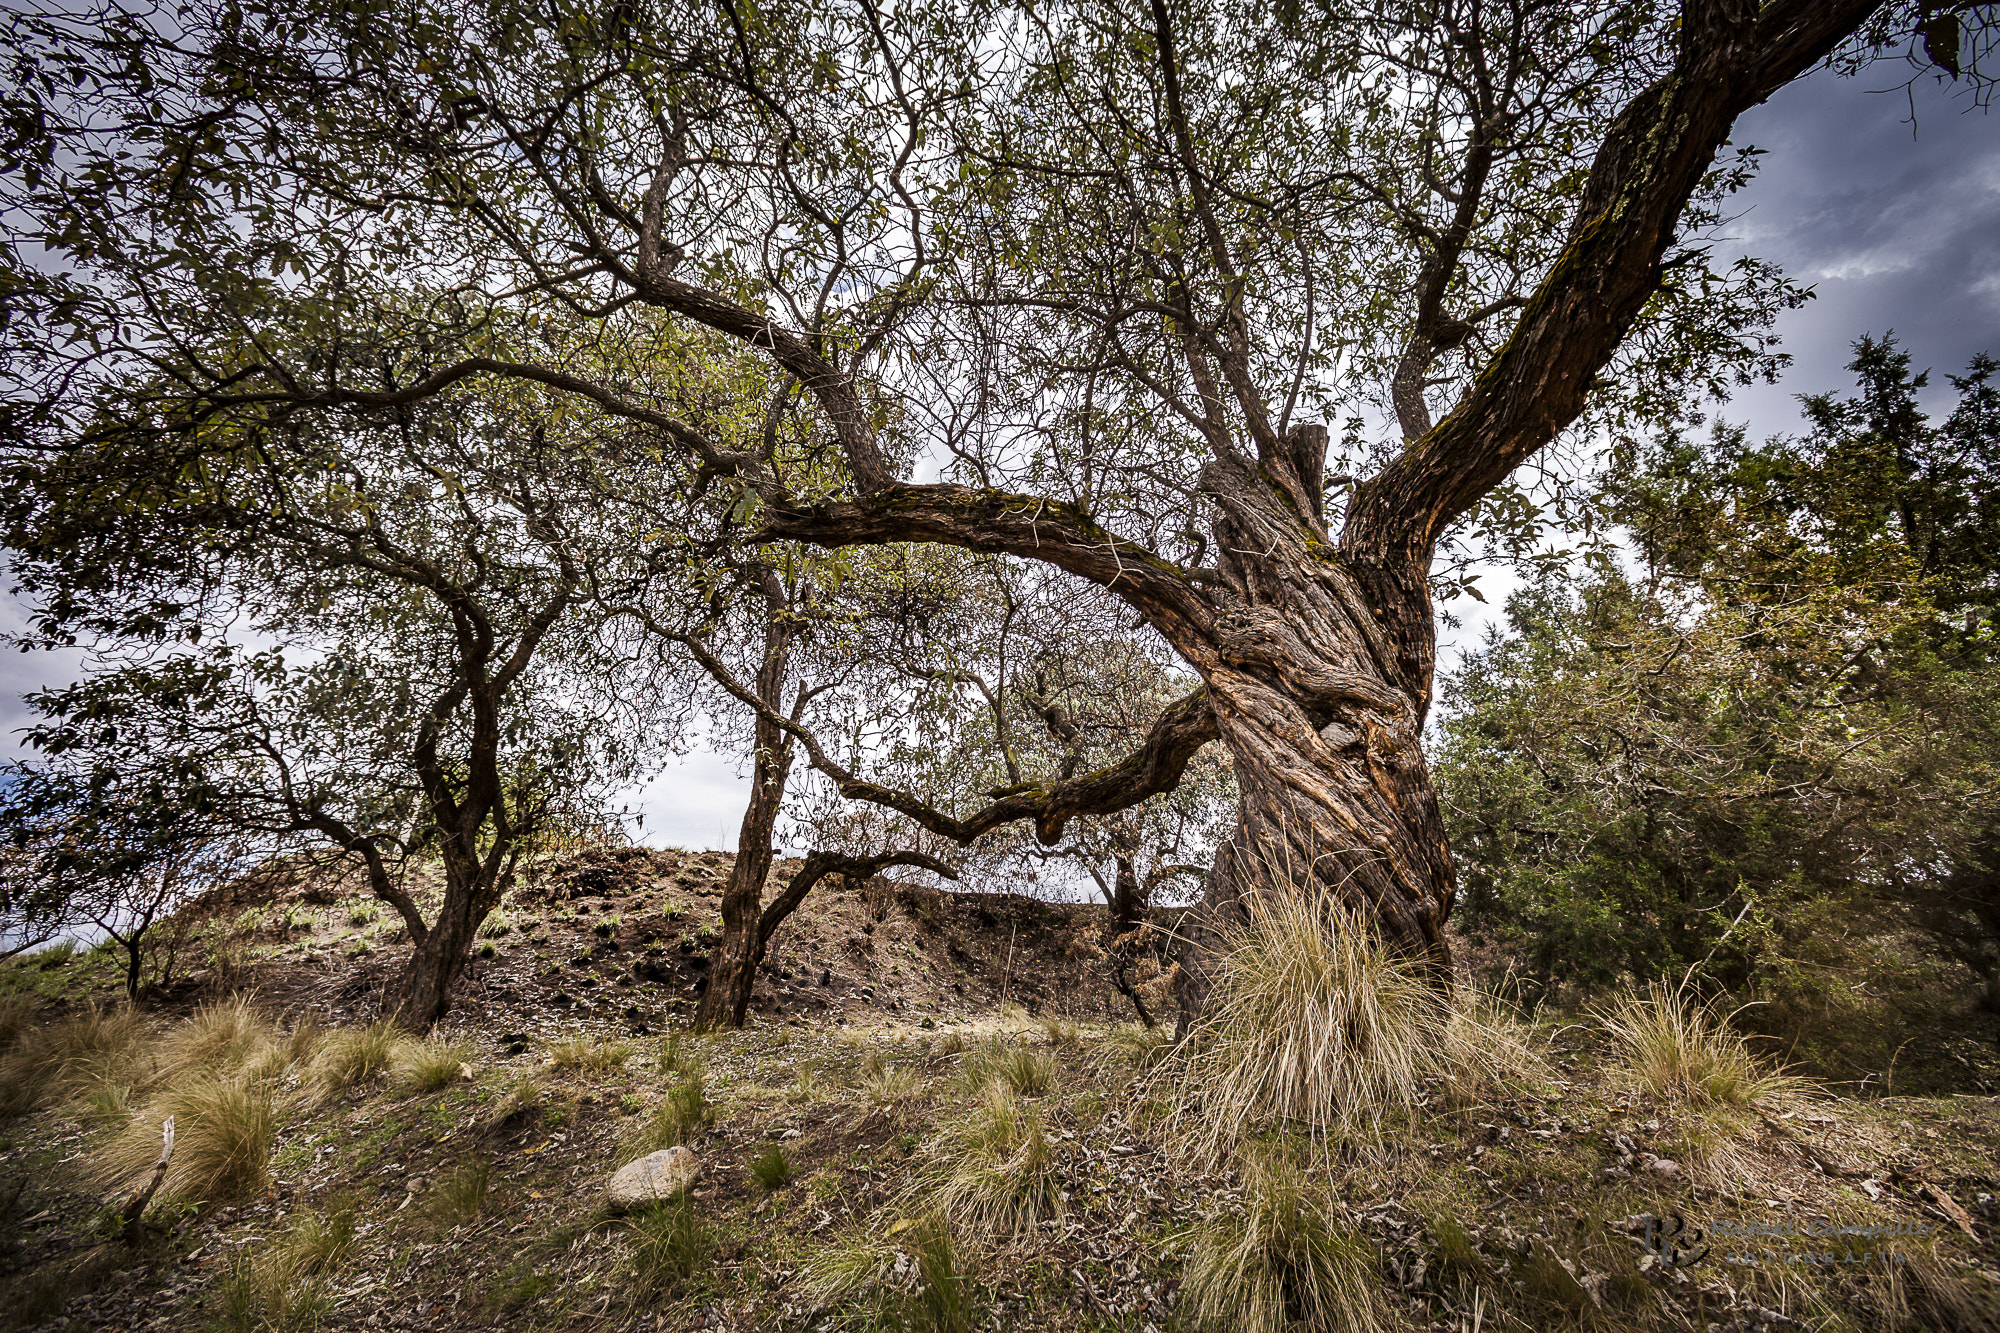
column 1087, row 285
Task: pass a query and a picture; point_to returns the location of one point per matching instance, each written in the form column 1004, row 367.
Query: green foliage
column 770, row 1168
column 1775, row 747
column 671, row 1247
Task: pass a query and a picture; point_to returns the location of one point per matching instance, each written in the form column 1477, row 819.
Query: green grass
column 460, row 1196
column 1279, row 1263
column 670, row 1247
column 682, row 1114
column 994, row 1171
column 1022, row 1070
column 771, row 1169
column 282, row 1286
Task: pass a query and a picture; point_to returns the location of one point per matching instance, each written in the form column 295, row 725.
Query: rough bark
column 732, row 970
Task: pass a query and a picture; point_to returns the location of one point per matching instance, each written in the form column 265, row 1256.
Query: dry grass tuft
column 1681, row 1051
column 885, row 1084
column 220, row 1038
column 61, row 1061
column 670, row 1247
column 1026, row 1072
column 17, row 1015
column 589, row 1054
column 350, row 1056
column 1313, row 1023
column 223, row 1130
column 995, row 1172
column 909, row 1279
column 282, row 1286
column 426, row 1066
column 1282, row 1264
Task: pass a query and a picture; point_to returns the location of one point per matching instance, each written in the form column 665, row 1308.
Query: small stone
column 1665, row 1166
column 654, row 1178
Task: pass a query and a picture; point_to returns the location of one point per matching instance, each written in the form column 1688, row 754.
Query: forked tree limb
column 1732, row 56
column 819, row 865
column 1156, row 766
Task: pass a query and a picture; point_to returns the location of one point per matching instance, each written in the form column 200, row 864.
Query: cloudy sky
column 1894, row 220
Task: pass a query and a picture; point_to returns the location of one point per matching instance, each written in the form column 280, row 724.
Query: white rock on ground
column 654, row 1178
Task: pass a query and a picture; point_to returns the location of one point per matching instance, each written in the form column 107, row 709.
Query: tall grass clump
column 994, row 1172
column 224, row 1126
column 1280, row 1264
column 670, row 1247
column 350, row 1056
column 1313, row 1023
column 885, row 1084
column 282, row 1286
column 589, row 1054
column 17, row 1016
column 60, row 1061
column 1025, row 1072
column 909, row 1280
column 220, row 1038
column 1680, row 1050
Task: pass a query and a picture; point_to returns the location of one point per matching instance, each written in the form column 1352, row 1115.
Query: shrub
column 995, row 1171
column 1280, row 1265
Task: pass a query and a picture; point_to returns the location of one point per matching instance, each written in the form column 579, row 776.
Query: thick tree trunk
column 1320, row 680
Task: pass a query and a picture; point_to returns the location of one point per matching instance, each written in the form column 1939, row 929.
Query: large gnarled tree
column 1099, row 268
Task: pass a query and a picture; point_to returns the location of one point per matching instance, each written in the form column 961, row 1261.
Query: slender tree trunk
column 421, row 993
column 732, row 970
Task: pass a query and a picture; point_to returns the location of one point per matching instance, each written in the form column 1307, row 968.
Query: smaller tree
column 119, row 858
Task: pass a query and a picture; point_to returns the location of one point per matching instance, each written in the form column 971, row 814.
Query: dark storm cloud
column 1895, row 222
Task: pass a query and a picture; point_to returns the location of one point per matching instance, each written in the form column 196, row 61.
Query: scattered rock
column 654, row 1178
column 1665, row 1166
